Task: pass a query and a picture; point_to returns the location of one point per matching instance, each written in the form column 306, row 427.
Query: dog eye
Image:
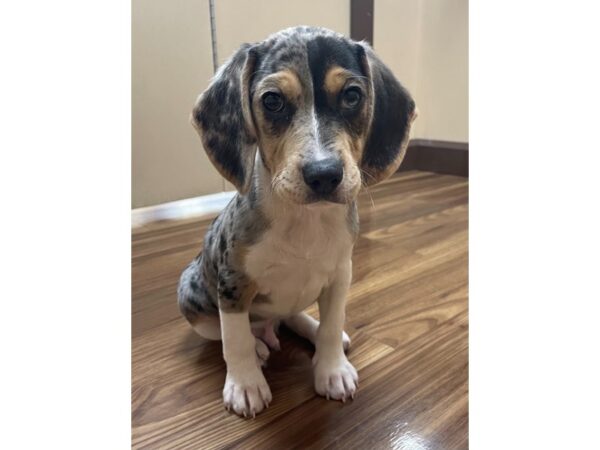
column 273, row 102
column 351, row 97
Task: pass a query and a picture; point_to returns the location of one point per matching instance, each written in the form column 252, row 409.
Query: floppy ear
column 223, row 119
column 393, row 111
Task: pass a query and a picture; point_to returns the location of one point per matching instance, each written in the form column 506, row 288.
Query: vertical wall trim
column 361, row 20
column 215, row 59
column 420, row 128
column 213, row 34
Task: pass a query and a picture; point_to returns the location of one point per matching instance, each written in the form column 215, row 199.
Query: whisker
column 370, row 196
column 364, row 184
column 368, row 174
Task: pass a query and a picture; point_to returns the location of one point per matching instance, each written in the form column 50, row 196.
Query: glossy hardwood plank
column 407, row 315
column 180, row 388
column 403, row 396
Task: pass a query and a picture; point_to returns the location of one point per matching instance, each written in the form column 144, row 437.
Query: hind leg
column 208, row 325
column 265, row 331
column 196, row 307
column 195, row 303
column 305, row 326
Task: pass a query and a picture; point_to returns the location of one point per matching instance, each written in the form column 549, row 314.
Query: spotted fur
column 280, row 244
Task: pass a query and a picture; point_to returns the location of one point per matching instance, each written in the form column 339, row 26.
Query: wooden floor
column 406, row 314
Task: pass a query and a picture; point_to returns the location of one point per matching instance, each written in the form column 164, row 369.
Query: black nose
column 323, row 176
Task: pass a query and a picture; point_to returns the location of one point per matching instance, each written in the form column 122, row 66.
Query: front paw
column 335, row 378
column 246, row 392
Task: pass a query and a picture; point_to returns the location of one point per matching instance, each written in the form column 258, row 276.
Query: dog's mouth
column 333, row 198
column 315, row 200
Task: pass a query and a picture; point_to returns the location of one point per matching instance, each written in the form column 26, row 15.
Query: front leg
column 335, row 377
column 246, row 391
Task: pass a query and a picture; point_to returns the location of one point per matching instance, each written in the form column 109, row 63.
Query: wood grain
column 406, row 314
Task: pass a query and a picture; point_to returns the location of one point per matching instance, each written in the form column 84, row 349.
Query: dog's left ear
column 223, row 119
column 393, row 112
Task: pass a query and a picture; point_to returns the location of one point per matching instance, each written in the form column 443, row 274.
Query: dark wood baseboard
column 451, row 158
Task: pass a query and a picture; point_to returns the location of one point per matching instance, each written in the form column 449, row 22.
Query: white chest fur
column 297, row 257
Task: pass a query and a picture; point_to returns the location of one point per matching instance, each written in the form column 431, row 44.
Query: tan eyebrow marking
column 335, row 79
column 287, row 81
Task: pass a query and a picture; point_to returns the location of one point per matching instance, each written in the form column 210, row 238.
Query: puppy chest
column 286, row 282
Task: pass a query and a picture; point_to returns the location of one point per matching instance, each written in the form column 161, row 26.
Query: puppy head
column 325, row 113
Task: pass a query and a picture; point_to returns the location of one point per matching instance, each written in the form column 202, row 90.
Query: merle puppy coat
column 298, row 123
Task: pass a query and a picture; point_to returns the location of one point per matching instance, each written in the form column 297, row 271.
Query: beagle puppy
column 298, row 123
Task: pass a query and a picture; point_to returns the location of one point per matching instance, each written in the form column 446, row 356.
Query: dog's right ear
column 223, row 119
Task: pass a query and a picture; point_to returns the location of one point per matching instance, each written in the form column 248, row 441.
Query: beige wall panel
column 251, row 21
column 444, row 69
column 425, row 43
column 396, row 41
column 171, row 65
